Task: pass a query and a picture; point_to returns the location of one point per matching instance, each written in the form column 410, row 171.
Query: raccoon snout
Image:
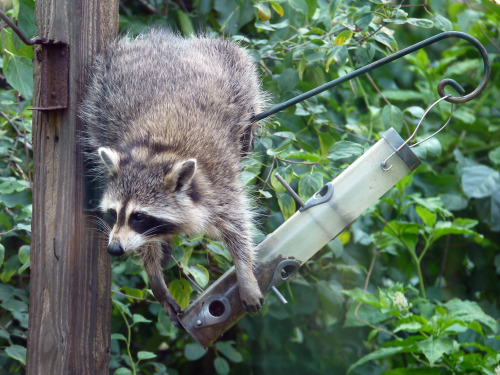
column 114, row 248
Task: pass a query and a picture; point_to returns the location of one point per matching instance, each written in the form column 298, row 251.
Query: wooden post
column 70, row 304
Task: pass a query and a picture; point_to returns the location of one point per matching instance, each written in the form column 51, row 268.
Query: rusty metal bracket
column 54, row 59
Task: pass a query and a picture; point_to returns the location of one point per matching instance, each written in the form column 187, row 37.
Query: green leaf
column 181, row 291
column 443, row 228
column 246, row 177
column 412, row 324
column 228, row 350
column 392, row 117
column 221, row 366
column 299, row 6
column 26, row 17
column 140, row 319
column 193, row 352
column 263, row 11
column 18, row 199
column 118, row 336
column 469, row 311
column 309, row 184
column 142, row 355
column 12, row 186
column 332, row 7
column 337, row 54
column 386, row 40
column 219, row 249
column 277, row 8
column 422, row 59
column 415, row 111
column 428, row 217
column 17, row 352
column 420, row 22
column 345, row 149
column 24, row 254
column 19, row 74
column 343, row 38
column 480, row 181
column 494, row 155
column 10, row 268
column 377, row 354
column 185, row 22
column 442, row 23
column 137, row 293
column 434, row 348
column 288, row 135
column 123, row 371
column 15, row 305
column 122, row 307
column 288, row 80
column 199, row 273
column 286, row 204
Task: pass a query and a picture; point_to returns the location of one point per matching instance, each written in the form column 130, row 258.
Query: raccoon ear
column 185, row 173
column 110, row 158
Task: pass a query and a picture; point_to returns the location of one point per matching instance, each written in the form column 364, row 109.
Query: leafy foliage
column 411, row 287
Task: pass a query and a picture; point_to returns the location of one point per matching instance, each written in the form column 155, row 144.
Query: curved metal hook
column 445, row 82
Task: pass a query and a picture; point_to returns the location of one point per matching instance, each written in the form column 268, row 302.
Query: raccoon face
column 148, row 200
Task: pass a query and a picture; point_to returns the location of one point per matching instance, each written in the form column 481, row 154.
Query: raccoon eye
column 137, row 217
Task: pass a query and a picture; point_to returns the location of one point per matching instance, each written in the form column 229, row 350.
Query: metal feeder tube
column 322, row 218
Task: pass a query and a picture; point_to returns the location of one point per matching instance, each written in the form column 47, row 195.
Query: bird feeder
column 326, row 214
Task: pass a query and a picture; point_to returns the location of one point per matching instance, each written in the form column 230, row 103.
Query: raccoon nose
column 115, row 249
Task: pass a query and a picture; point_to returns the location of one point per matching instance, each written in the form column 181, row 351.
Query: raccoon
column 168, row 120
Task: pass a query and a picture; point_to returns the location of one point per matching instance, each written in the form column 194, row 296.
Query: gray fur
column 175, row 114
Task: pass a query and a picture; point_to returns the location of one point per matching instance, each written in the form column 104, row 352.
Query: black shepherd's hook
column 445, row 82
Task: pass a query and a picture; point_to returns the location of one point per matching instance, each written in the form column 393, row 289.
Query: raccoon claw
column 253, row 308
column 175, row 320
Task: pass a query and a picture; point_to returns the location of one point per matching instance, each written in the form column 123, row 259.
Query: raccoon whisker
column 150, row 230
column 101, row 221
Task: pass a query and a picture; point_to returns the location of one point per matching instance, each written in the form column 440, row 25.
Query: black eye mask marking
column 142, row 223
column 110, row 217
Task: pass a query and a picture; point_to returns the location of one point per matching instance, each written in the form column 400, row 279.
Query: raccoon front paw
column 252, row 299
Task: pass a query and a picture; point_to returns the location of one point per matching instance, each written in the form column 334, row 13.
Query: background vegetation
column 412, row 287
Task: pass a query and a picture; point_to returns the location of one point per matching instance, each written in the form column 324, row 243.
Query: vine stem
column 129, row 331
column 412, row 254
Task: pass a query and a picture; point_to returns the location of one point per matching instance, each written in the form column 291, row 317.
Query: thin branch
column 445, row 256
column 376, row 252
column 300, row 162
column 270, row 172
column 266, row 69
column 136, row 298
column 26, row 148
column 189, row 277
column 385, row 99
column 148, row 6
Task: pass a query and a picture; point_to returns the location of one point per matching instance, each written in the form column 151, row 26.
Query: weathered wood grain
column 70, row 301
